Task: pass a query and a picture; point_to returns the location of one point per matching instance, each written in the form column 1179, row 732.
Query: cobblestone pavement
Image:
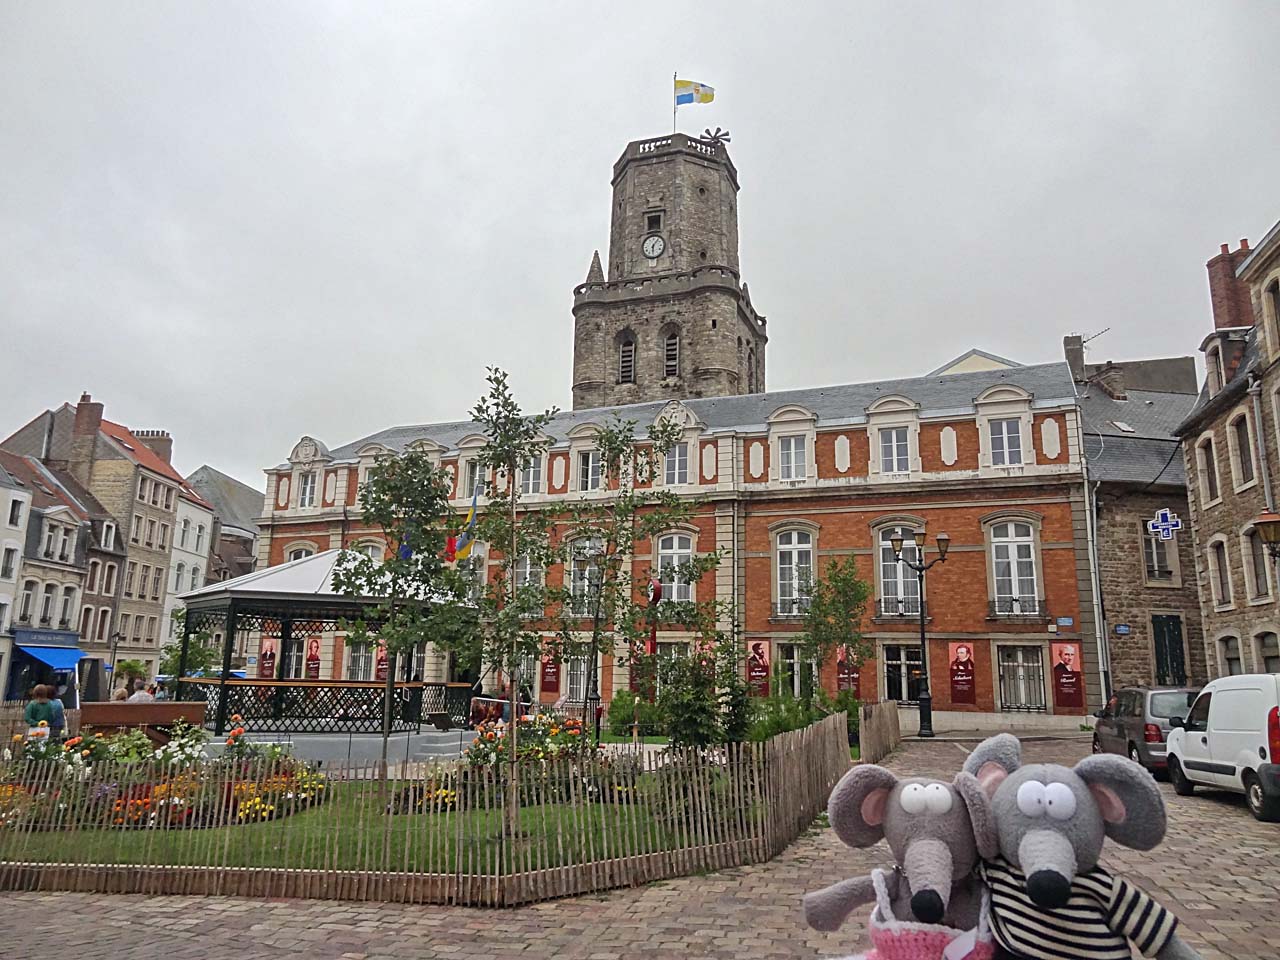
column 1219, row 870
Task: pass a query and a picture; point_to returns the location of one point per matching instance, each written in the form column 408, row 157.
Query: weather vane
column 720, row 136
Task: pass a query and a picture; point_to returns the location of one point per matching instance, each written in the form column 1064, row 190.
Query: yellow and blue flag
column 459, row 547
column 690, row 91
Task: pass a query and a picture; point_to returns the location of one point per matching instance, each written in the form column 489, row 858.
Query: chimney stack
column 84, row 438
column 159, row 441
column 1111, row 379
column 1232, row 306
column 1073, row 348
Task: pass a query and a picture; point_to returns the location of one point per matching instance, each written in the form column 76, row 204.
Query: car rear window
column 1166, row 705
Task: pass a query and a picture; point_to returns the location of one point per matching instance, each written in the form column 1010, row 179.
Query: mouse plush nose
column 927, row 906
column 1048, row 888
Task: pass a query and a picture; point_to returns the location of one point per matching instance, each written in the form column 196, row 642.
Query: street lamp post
column 919, row 566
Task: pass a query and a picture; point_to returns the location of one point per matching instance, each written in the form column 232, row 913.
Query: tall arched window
column 1268, row 652
column 751, row 370
column 1232, row 664
column 177, row 576
column 27, row 609
column 795, row 571
column 184, row 531
column 584, row 573
column 675, row 551
column 195, row 577
column 671, row 355
column 86, row 623
column 899, row 587
column 1013, row 555
column 104, row 623
column 627, row 361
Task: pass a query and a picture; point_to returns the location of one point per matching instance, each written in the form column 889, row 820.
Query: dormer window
column 108, row 536
column 1213, row 369
column 793, row 463
column 1006, row 442
column 895, row 450
column 307, row 489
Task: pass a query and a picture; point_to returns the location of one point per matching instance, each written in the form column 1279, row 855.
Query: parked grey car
column 1135, row 723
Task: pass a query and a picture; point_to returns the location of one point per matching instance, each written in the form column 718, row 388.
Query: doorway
column 1166, row 638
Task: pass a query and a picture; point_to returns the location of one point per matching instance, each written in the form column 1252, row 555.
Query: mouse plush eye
column 1031, row 798
column 914, row 799
column 937, row 798
column 1059, row 801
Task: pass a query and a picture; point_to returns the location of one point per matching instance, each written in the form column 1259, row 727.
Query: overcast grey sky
column 243, row 222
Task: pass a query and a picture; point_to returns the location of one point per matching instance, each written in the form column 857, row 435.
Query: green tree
column 131, row 670
column 604, row 608
column 202, row 655
column 837, row 601
column 413, row 593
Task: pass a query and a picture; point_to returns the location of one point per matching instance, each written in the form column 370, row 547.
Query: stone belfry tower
column 673, row 319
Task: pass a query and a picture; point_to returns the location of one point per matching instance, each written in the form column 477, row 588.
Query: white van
column 1230, row 739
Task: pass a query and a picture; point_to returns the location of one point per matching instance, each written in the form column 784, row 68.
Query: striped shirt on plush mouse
column 1103, row 914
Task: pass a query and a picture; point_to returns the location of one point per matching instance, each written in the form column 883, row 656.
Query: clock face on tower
column 653, row 246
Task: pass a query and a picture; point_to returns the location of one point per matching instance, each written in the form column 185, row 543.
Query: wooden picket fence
column 429, row 834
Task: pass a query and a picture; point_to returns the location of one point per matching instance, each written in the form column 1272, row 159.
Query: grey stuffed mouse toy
column 1050, row 899
column 928, row 828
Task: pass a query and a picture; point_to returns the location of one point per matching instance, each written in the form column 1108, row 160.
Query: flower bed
column 123, row 781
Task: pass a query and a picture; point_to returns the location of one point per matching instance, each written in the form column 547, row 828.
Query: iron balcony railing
column 1016, row 607
column 791, row 607
column 900, row 607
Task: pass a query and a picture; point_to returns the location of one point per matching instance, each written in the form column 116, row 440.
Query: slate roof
column 236, row 504
column 1050, row 385
column 1151, row 453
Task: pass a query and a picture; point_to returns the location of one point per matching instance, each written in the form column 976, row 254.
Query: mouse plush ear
column 983, row 820
column 1127, row 797
column 857, row 805
column 993, row 760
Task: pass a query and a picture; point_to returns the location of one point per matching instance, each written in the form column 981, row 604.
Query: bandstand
column 295, row 604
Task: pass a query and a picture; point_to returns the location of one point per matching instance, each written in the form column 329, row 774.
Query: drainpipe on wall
column 1100, row 625
column 1255, row 391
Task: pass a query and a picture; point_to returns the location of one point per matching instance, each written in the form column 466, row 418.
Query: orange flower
column 238, row 732
column 84, row 753
column 231, row 742
column 488, row 736
column 236, row 718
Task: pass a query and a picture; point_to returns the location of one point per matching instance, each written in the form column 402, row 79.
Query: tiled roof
column 139, row 452
column 1050, row 384
column 45, row 490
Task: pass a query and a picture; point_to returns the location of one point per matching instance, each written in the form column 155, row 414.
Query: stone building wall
column 1131, row 599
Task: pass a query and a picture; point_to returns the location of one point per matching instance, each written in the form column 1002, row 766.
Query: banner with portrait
column 962, row 668
column 380, row 663
column 848, row 670
column 1068, row 674
column 758, row 667
column 267, row 658
column 313, row 658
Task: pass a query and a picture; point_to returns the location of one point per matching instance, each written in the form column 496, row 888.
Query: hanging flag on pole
column 689, row 91
column 459, row 547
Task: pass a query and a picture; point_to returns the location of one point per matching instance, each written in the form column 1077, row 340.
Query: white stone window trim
column 793, row 420
column 993, row 520
column 1171, row 552
column 1255, row 643
column 776, row 531
column 1214, row 378
column 1246, row 563
column 297, row 545
column 888, row 413
column 302, row 489
column 998, row 403
column 676, row 533
column 881, row 525
column 1215, row 577
column 532, row 481
column 1234, row 452
column 469, row 450
column 1219, row 643
column 582, row 439
column 1202, row 460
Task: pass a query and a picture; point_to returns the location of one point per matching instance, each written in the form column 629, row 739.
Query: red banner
column 380, row 663
column 1068, row 677
column 848, row 673
column 313, row 658
column 758, row 667
column 267, row 659
column 963, row 686
column 550, row 675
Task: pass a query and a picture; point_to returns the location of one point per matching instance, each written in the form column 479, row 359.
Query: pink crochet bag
column 894, row 939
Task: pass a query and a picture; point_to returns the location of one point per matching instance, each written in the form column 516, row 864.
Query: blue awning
column 60, row 658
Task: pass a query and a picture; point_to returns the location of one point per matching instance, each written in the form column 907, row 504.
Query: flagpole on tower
column 675, row 104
